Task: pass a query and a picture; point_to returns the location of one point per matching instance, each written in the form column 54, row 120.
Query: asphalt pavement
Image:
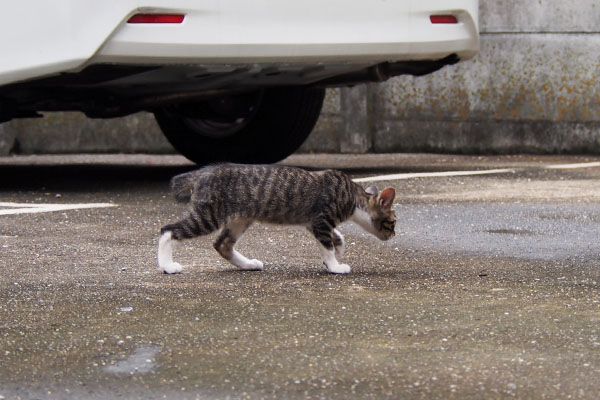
column 490, row 288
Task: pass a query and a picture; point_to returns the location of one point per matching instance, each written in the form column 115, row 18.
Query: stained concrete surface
column 489, row 290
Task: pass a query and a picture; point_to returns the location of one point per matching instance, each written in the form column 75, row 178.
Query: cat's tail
column 182, row 187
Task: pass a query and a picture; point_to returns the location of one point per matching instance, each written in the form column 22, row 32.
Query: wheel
column 264, row 126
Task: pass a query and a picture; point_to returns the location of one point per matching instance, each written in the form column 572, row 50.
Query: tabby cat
column 233, row 196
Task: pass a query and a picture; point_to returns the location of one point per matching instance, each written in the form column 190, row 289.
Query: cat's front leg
column 324, row 233
column 332, row 264
column 338, row 243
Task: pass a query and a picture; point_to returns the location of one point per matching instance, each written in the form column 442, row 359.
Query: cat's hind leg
column 226, row 241
column 189, row 227
column 165, row 255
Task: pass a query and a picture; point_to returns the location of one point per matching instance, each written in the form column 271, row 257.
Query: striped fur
column 230, row 197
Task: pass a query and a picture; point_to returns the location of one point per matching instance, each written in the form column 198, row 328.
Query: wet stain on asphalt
column 142, row 361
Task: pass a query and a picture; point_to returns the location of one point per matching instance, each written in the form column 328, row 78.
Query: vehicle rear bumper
column 68, row 35
column 242, row 33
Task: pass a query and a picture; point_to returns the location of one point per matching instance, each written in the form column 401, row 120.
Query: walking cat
column 233, row 196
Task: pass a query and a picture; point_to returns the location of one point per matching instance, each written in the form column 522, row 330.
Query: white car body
column 45, row 37
column 219, row 75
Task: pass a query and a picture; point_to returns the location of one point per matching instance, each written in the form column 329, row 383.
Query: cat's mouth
column 386, row 235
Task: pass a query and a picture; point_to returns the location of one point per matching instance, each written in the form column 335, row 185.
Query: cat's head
column 381, row 212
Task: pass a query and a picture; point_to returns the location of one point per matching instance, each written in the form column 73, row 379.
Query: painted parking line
column 574, row 166
column 394, row 177
column 7, row 208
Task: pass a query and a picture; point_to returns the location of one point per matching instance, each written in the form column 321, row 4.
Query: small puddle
column 142, row 361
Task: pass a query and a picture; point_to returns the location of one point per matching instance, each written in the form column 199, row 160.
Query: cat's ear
column 372, row 190
column 386, row 198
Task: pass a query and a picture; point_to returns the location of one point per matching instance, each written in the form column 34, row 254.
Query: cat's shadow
column 286, row 273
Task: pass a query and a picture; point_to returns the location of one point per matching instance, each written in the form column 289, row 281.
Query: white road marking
column 573, row 166
column 28, row 208
column 394, row 177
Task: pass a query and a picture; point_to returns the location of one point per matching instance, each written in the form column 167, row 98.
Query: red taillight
column 443, row 19
column 156, row 19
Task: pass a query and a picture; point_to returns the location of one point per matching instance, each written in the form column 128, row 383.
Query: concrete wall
column 75, row 133
column 534, row 87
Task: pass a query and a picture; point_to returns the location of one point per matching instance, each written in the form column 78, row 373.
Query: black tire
column 261, row 127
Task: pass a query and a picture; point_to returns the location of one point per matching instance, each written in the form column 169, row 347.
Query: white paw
column 339, row 244
column 172, row 268
column 339, row 269
column 252, row 265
